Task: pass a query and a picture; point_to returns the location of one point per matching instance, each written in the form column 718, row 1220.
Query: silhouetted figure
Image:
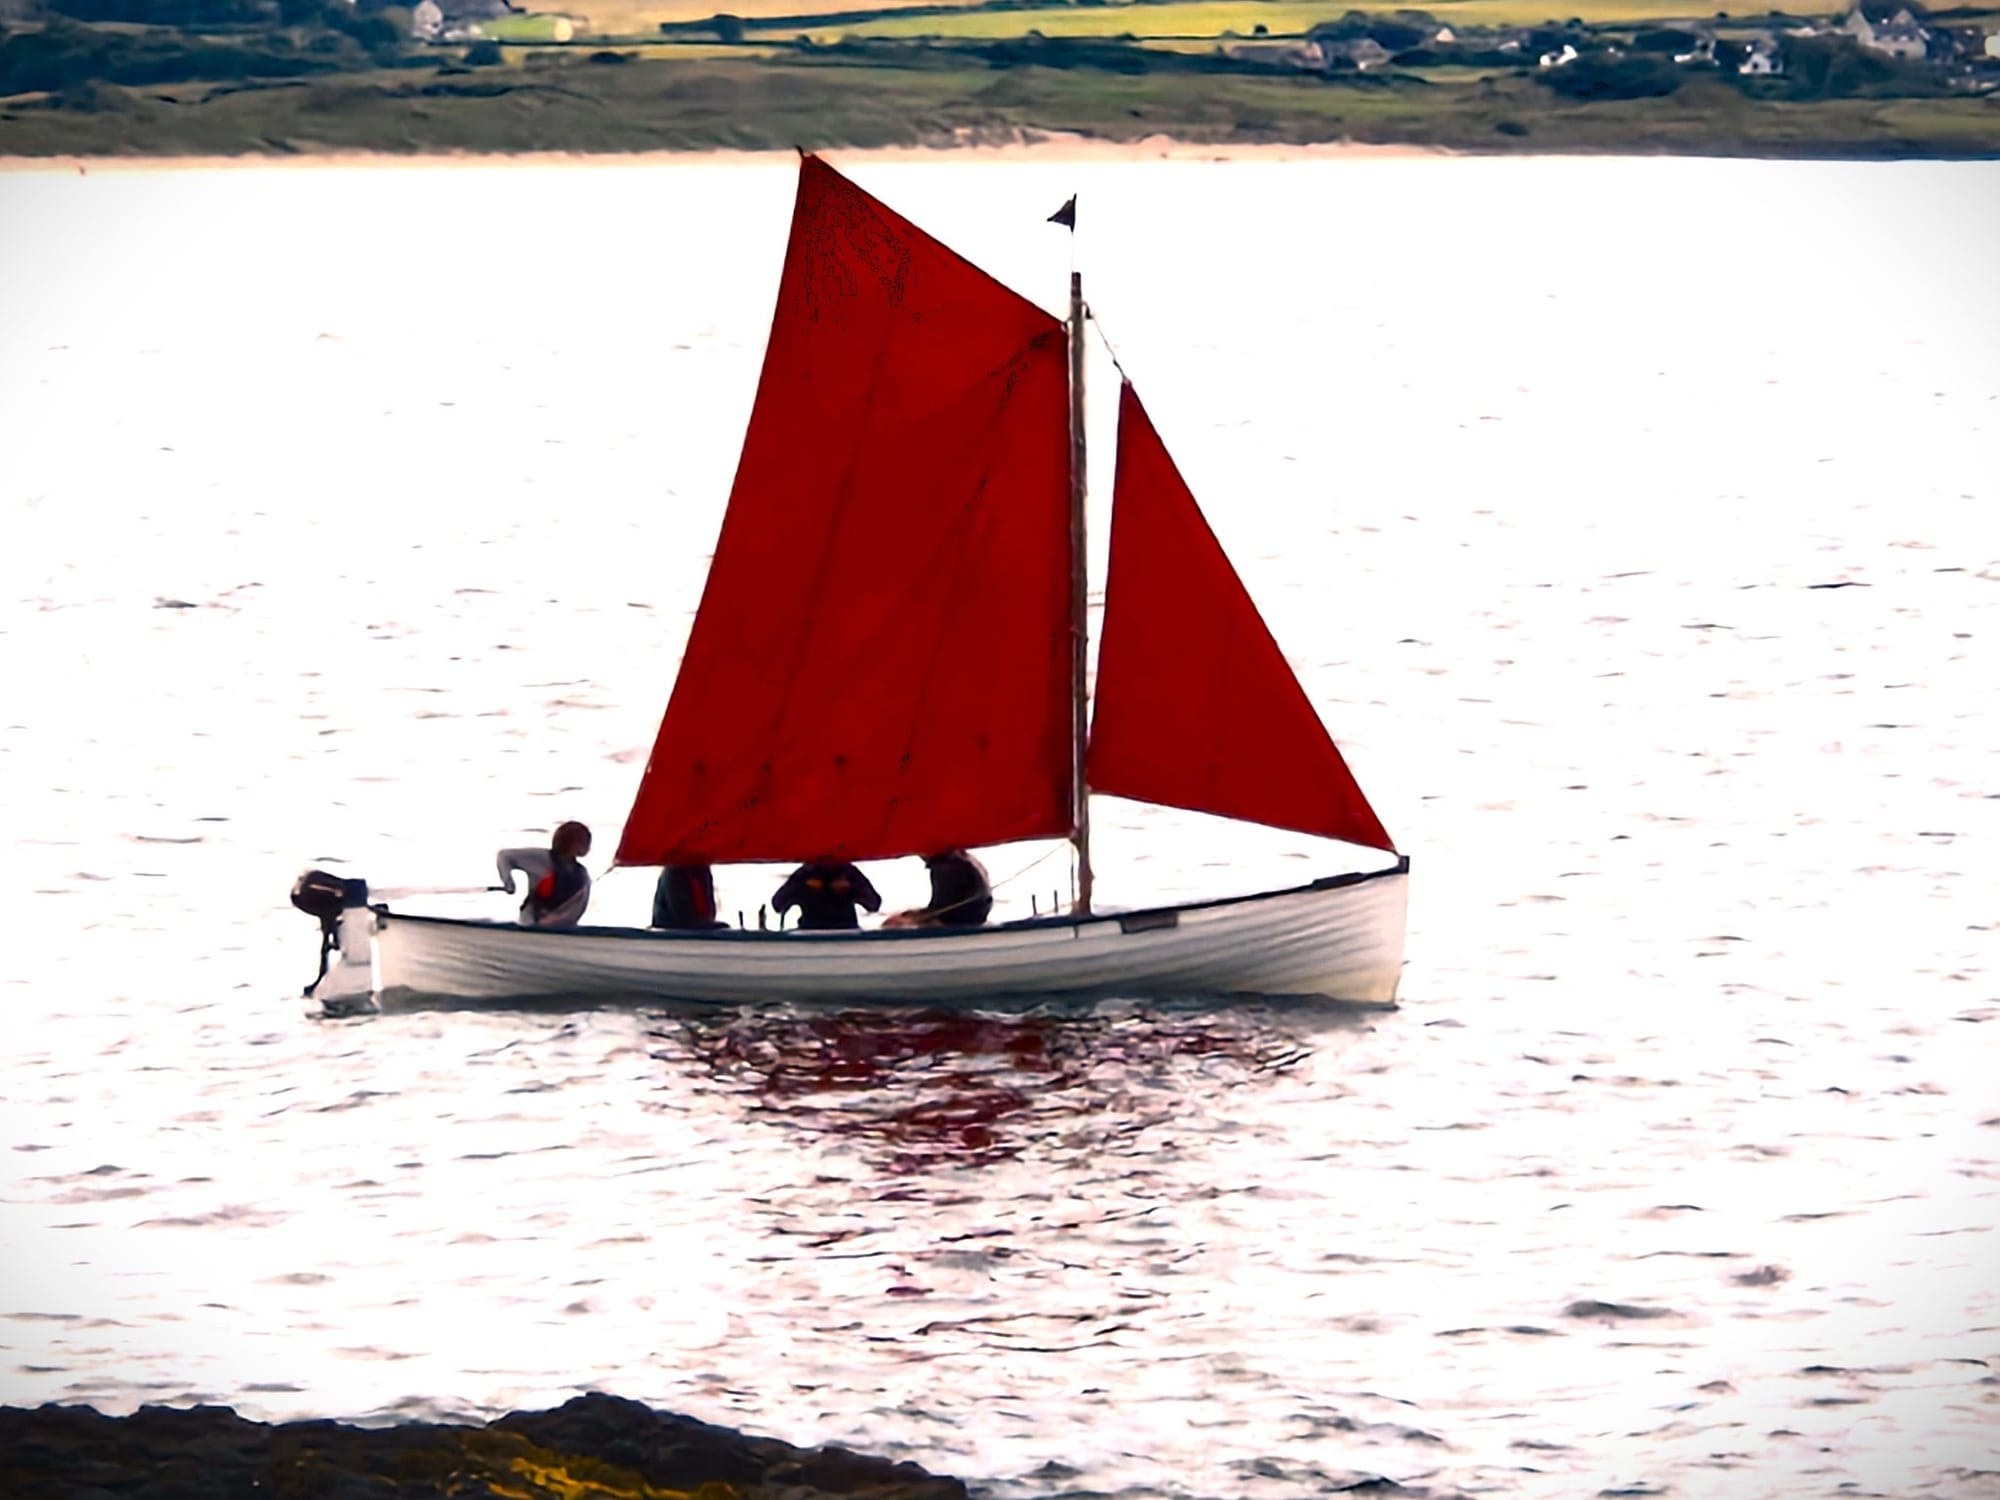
column 961, row 895
column 685, row 898
column 826, row 894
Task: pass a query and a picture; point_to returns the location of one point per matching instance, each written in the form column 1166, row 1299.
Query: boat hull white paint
column 1340, row 938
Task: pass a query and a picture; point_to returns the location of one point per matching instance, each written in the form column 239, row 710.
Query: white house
column 1899, row 36
column 1764, row 58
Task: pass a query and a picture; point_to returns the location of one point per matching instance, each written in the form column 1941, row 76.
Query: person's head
column 945, row 856
column 570, row 841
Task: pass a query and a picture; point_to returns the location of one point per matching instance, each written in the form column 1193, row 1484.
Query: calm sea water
column 1632, row 523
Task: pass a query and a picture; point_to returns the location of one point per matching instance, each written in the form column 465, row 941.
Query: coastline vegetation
column 228, row 77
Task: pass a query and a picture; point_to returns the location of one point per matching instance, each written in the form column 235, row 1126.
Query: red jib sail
column 880, row 665
column 1196, row 707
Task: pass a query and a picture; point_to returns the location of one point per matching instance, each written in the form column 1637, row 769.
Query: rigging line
column 991, row 887
column 1090, row 314
column 1043, row 858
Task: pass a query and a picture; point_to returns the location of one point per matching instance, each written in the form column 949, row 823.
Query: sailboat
column 889, row 659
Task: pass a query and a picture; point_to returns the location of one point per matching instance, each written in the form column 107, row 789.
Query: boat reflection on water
column 924, row 1089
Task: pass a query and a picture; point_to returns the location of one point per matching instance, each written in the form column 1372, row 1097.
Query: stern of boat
column 346, row 980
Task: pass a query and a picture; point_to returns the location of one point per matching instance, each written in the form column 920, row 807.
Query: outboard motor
column 345, row 924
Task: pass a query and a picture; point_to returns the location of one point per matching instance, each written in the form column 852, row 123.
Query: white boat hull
column 1341, row 938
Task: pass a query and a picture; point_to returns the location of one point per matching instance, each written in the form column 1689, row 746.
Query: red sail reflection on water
column 944, row 1089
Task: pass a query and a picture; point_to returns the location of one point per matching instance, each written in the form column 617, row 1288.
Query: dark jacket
column 685, row 898
column 960, row 894
column 826, row 895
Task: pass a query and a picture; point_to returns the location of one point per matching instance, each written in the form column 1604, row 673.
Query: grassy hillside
column 344, row 78
column 570, row 104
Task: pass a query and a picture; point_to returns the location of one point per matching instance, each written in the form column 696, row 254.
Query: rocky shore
column 595, row 1447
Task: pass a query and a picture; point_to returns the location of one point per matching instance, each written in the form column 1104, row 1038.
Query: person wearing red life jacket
column 684, row 899
column 558, row 884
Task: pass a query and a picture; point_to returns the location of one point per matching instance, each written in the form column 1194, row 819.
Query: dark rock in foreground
column 594, row 1448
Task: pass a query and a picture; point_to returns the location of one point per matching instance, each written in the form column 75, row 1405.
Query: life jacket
column 557, row 888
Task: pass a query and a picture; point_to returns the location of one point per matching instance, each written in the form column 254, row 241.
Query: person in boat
column 961, row 895
column 826, row 892
column 558, row 884
column 684, row 899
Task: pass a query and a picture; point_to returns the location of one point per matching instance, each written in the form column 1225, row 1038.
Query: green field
column 1212, row 18
column 1178, row 18
column 633, row 18
column 529, row 28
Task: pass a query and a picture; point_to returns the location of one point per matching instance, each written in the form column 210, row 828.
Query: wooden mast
column 1079, row 580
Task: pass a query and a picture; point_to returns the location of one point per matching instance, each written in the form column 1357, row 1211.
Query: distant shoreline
column 567, row 109
column 1052, row 146
column 1051, row 149
column 1127, row 80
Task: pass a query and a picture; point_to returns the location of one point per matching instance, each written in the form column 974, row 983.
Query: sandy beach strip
column 1049, row 146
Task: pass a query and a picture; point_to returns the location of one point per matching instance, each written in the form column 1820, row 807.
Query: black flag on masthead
column 1066, row 215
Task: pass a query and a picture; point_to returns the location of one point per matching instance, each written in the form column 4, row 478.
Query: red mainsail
column 880, row 664
column 1195, row 705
